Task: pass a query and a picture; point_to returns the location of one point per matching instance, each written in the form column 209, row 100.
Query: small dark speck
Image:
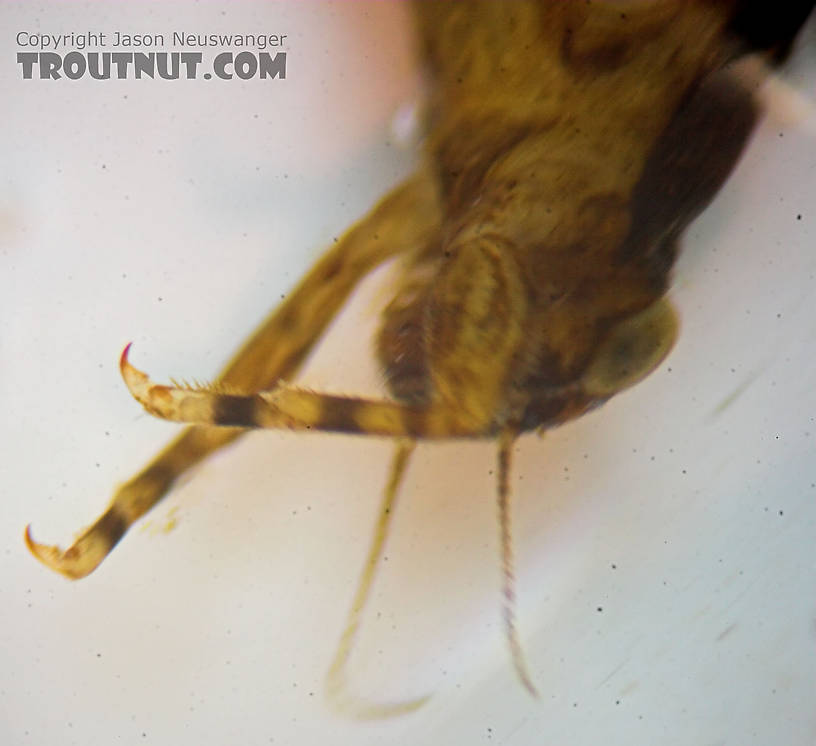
column 798, row 217
column 600, row 608
column 781, row 512
column 160, row 299
column 614, row 566
column 99, row 655
column 617, row 701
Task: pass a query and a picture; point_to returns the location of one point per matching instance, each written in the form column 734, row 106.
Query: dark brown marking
column 598, row 59
column 333, row 268
column 402, row 353
column 288, row 319
column 773, row 28
column 236, row 411
column 688, row 164
column 339, row 415
column 112, row 526
column 415, row 421
column 158, row 474
column 550, row 410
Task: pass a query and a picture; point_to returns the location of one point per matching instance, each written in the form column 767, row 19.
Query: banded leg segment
column 288, row 407
column 401, row 222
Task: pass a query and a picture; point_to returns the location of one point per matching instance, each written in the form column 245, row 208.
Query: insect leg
column 288, row 407
column 506, row 441
column 336, row 685
column 400, row 222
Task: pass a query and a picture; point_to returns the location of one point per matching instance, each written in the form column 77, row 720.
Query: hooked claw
column 87, row 552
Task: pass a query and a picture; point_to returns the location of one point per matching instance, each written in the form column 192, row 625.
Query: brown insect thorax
column 529, row 306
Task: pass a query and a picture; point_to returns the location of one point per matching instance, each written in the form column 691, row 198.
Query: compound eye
column 632, row 349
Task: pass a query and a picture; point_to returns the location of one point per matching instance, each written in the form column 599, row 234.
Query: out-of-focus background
column 666, row 573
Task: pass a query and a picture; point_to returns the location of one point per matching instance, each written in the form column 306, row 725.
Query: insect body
column 568, row 146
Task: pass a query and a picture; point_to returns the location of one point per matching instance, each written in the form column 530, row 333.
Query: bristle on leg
column 175, row 403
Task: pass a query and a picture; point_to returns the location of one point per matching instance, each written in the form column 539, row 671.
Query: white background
column 175, row 214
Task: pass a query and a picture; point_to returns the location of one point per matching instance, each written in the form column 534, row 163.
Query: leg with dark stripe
column 288, row 407
column 401, row 222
